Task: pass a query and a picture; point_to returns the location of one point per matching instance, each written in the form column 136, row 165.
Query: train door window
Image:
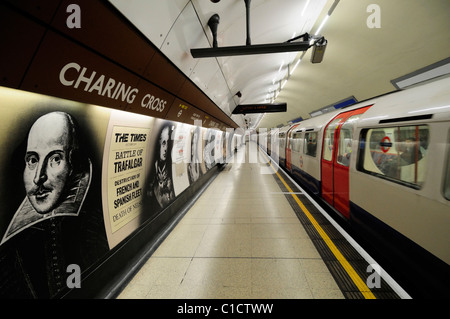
column 296, row 139
column 282, row 139
column 310, row 144
column 329, row 140
column 447, row 175
column 396, row 153
column 345, row 141
column 289, row 141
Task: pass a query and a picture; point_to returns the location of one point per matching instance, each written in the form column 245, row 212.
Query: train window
column 447, row 175
column 345, row 141
column 395, row 153
column 310, row 144
column 329, row 140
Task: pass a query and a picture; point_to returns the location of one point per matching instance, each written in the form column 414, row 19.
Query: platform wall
column 78, row 180
column 82, row 113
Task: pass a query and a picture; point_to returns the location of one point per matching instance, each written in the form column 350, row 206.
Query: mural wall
column 78, row 179
column 87, row 183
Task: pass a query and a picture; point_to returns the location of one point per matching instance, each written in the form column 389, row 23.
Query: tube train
column 384, row 166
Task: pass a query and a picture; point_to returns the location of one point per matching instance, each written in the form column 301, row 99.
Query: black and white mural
column 78, row 179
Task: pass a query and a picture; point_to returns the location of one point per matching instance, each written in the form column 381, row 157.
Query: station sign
column 260, row 108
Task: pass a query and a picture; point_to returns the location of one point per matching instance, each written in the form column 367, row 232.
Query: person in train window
column 345, row 159
column 43, row 237
column 410, row 152
column 162, row 184
column 423, row 140
column 194, row 170
column 375, row 146
column 311, row 146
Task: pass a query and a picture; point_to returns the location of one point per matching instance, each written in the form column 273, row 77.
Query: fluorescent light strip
column 311, row 42
column 281, row 66
column 335, row 3
column 306, row 7
column 423, row 76
column 295, row 66
column 322, row 24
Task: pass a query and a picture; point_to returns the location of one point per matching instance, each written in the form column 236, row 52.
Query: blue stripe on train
column 309, row 182
column 424, row 273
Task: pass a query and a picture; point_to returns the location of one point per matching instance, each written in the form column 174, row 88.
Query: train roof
column 428, row 102
column 316, row 123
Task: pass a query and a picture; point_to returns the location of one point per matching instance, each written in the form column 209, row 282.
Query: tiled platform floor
column 240, row 240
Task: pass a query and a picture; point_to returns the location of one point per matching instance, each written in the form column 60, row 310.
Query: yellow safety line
column 348, row 268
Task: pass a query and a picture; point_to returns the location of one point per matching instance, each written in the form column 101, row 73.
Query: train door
column 282, row 145
column 289, row 148
column 336, row 153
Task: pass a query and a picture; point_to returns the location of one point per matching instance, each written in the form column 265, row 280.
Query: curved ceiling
column 360, row 60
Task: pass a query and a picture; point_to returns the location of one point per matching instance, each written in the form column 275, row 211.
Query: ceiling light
column 306, row 7
column 281, row 66
column 295, row 66
column 327, row 17
column 322, row 24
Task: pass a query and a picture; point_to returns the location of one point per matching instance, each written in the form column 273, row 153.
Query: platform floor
column 241, row 239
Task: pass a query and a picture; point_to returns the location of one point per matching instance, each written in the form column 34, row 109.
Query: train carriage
column 289, row 146
column 306, row 151
column 282, row 142
column 401, row 174
column 384, row 165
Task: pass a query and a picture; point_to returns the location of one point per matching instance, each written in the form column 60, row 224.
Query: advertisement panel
column 125, row 161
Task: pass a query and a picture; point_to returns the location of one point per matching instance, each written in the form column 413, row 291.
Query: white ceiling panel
column 208, row 77
column 217, row 90
column 239, row 120
column 154, row 18
column 270, row 22
column 176, row 26
column 186, row 33
column 359, row 61
column 204, row 71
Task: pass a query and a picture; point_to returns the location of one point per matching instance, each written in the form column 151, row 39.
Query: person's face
column 164, row 142
column 47, row 166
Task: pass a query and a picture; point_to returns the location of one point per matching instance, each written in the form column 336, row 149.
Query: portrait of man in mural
column 194, row 170
column 161, row 188
column 56, row 178
column 45, row 234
